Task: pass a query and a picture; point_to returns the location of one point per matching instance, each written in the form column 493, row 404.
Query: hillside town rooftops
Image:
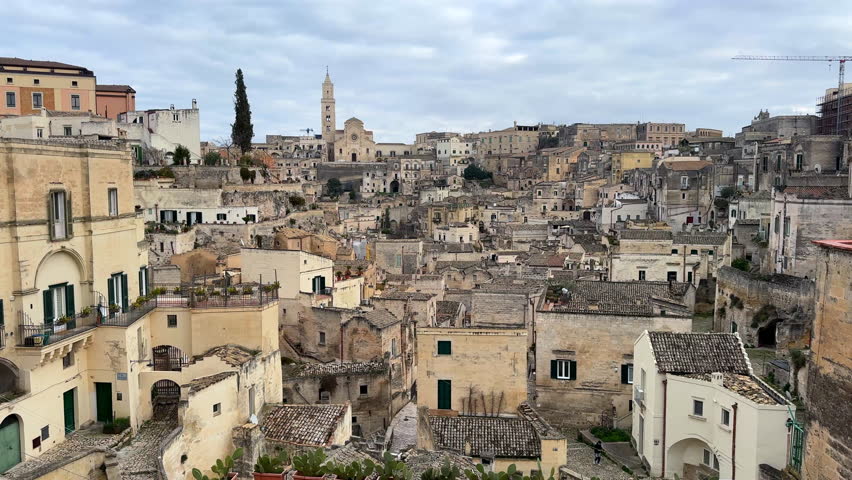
column 687, row 353
column 310, row 425
column 745, row 385
column 200, row 383
column 701, row 238
column 652, row 235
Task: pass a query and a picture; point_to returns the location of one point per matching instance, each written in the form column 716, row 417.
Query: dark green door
column 103, row 394
column 10, row 443
column 68, row 404
column 444, row 394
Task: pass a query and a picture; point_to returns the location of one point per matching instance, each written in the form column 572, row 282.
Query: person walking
column 598, row 449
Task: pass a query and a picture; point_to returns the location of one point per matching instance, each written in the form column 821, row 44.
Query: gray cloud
column 417, row 65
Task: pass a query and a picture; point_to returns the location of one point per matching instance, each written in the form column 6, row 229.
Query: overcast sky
column 411, row 66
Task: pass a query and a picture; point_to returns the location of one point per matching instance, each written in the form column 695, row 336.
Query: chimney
column 717, row 378
column 194, row 104
column 172, row 106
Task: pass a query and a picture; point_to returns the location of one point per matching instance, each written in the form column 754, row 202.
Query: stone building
column 699, row 409
column 661, row 256
column 683, row 192
column 775, row 311
column 668, row 134
column 353, row 143
column 79, row 349
column 114, row 99
column 164, row 129
column 584, row 346
column 513, row 140
column 827, row 452
column 559, row 162
column 799, row 216
column 443, row 384
column 365, row 385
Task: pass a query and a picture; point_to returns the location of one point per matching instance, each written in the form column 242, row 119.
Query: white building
column 456, row 233
column 700, row 410
column 165, row 129
column 450, row 151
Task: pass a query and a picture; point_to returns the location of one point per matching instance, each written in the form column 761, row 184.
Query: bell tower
column 329, row 127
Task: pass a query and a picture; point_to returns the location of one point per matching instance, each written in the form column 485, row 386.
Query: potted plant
column 232, row 290
column 339, row 275
column 86, row 311
column 391, row 469
column 348, row 273
column 353, row 471
column 270, row 467
column 248, row 290
column 222, row 469
column 360, row 270
column 309, row 465
column 177, row 290
column 113, row 308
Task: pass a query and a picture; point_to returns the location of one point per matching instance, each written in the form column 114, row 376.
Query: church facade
column 353, row 143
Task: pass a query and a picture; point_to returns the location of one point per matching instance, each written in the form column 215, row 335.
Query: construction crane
column 841, row 61
column 307, row 131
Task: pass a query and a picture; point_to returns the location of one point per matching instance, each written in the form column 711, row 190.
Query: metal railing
column 208, row 296
column 31, row 334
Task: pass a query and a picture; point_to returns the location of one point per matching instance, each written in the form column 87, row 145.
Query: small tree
column 473, row 172
column 333, row 187
column 741, row 264
column 297, row 201
column 352, row 195
column 212, row 159
column 242, row 131
column 181, row 155
column 245, row 174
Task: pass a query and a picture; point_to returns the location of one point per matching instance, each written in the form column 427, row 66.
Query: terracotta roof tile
column 303, row 424
column 699, row 353
column 498, row 436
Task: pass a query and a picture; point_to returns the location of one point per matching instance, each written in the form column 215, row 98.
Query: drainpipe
column 734, row 445
column 341, row 343
column 665, row 401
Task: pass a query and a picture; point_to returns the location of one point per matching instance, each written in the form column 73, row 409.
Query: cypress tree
column 242, row 130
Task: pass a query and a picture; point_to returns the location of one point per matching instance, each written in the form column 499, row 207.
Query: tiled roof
column 115, row 88
column 233, row 355
column 397, row 295
column 590, row 243
column 698, row 353
column 819, row 192
column 333, row 369
column 303, row 424
column 201, row 383
column 379, row 318
column 20, row 62
column 745, row 385
column 703, row 238
column 685, row 165
column 544, row 429
column 347, row 454
column 418, row 461
column 498, row 436
column 656, row 235
column 447, row 307
column 548, row 260
column 622, row 298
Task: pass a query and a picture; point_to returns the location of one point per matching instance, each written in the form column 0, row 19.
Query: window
column 322, row 338
column 698, row 408
column 325, row 397
column 10, row 99
column 445, row 347
column 711, row 460
column 68, row 360
column 800, row 157
column 66, row 130
column 59, row 209
column 363, row 390
column 171, row 321
column 36, row 81
column 73, row 83
column 563, row 369
column 39, row 133
column 786, row 226
column 112, row 196
column 37, row 100
column 175, row 117
column 627, row 374
column 222, row 216
column 710, row 252
column 684, row 181
column 75, row 102
column 734, row 327
column 9, row 80
column 689, row 277
column 693, row 252
column 765, row 164
column 726, row 417
column 45, row 432
column 217, row 409
column 393, row 347
column 674, row 251
column 671, row 276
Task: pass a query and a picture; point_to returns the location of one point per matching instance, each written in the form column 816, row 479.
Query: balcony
column 31, row 334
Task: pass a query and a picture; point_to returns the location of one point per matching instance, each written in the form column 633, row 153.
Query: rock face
column 770, row 311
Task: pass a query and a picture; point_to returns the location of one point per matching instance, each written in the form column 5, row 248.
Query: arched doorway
column 693, row 459
column 394, row 186
column 8, row 376
column 165, row 395
column 169, row 359
column 10, row 442
column 354, row 157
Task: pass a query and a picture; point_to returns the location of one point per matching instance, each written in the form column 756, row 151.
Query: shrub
column 797, row 358
column 248, row 290
column 297, row 201
column 118, row 425
column 741, row 264
column 606, row 434
column 310, row 464
column 275, row 464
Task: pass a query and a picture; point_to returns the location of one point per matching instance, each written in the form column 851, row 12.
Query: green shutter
column 111, row 291
column 124, row 299
column 554, row 368
column 47, row 297
column 69, row 301
column 50, row 219
column 69, row 217
column 2, row 318
column 141, row 284
column 445, row 394
column 624, row 374
column 573, row 365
